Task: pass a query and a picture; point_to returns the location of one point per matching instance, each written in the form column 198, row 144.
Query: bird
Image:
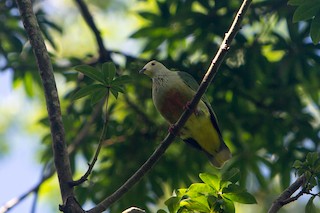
column 172, row 91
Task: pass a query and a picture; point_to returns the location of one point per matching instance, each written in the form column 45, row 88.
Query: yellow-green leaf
column 211, row 180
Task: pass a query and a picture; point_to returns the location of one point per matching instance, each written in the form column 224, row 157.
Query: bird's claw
column 171, row 129
column 187, row 107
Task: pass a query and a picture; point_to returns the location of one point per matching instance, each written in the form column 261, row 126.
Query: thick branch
column 104, row 55
column 285, row 197
column 61, row 159
column 215, row 64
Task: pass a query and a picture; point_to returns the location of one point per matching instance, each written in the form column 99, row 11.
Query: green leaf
column 121, row 80
column 109, row 71
column 312, row 182
column 91, row 72
column 211, row 180
column 96, row 97
column 312, row 157
column 297, row 164
column 235, row 193
column 306, row 11
column 198, row 189
column 197, row 204
column 308, row 174
column 87, row 90
column 173, row 204
column 241, row 197
column 228, row 206
column 310, row 207
column 181, row 192
column 114, row 92
column 212, row 201
column 119, row 89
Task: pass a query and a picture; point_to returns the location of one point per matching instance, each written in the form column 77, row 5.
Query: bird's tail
column 219, row 158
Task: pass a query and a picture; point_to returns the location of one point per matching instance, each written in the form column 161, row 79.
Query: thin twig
column 215, row 64
column 35, row 201
column 101, row 140
column 285, row 196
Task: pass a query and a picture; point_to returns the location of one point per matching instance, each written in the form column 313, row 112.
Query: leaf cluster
column 106, row 82
column 310, row 168
column 306, row 10
column 215, row 194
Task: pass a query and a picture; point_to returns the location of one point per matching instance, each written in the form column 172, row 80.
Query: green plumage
column 171, row 91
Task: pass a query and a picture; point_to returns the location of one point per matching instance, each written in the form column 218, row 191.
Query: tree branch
column 285, row 196
column 60, row 153
column 215, row 64
column 104, row 55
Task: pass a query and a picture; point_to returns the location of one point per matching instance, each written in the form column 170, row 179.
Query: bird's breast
column 170, row 99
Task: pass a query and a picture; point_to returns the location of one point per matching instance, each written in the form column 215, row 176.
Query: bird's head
column 153, row 68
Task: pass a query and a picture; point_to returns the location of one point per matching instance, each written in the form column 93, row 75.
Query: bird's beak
column 142, row 70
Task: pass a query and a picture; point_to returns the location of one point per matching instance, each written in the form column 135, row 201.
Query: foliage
column 266, row 94
column 310, row 168
column 308, row 9
column 215, row 194
column 106, row 80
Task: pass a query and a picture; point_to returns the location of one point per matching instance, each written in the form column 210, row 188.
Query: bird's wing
column 193, row 84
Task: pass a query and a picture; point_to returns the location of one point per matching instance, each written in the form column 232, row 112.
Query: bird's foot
column 187, row 107
column 171, row 129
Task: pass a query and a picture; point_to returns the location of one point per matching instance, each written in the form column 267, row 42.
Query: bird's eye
column 153, row 63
